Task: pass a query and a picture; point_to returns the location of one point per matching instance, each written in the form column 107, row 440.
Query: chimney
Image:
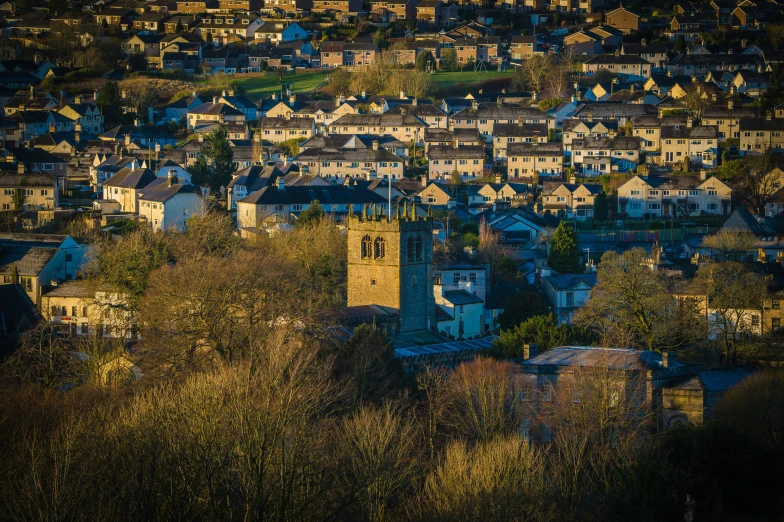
column 475, row 104
column 644, row 42
column 535, row 96
column 632, row 87
column 423, row 180
column 224, row 93
column 744, row 43
column 363, row 94
column 195, row 93
column 20, row 168
column 52, row 127
column 10, row 158
column 499, row 101
column 137, row 122
column 703, row 175
column 768, row 115
column 292, row 100
column 201, row 137
column 414, row 101
column 275, row 96
column 669, row 361
column 689, row 122
column 730, row 105
column 402, row 95
column 480, row 91
column 32, row 92
column 127, row 139
column 157, row 147
column 172, row 178
column 214, row 100
column 375, row 144
column 77, row 99
column 530, row 351
column 498, row 178
column 123, row 94
column 78, row 134
column 669, row 73
column 281, row 183
column 456, row 143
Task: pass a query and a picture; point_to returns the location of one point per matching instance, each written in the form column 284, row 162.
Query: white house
column 168, row 205
column 566, row 292
column 459, row 313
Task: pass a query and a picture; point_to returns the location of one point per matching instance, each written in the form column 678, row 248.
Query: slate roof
column 716, row 380
column 79, row 288
column 380, row 120
column 598, row 357
column 515, row 130
column 461, row 297
column 567, row 281
column 532, row 149
column 612, row 59
column 131, row 178
column 286, row 123
column 29, row 260
column 450, row 152
column 213, row 109
column 162, row 192
column 742, row 220
column 358, row 155
column 304, row 195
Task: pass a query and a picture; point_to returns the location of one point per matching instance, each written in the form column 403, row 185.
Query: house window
column 569, row 298
column 755, row 320
column 472, row 277
column 456, row 279
column 372, row 282
column 775, row 323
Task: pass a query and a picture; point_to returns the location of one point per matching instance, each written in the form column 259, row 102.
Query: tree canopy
column 564, row 255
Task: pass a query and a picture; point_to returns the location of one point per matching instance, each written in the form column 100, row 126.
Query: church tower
column 390, row 263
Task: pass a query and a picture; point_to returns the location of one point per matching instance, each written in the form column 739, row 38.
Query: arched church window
column 367, row 247
column 418, row 248
column 410, row 249
column 380, row 247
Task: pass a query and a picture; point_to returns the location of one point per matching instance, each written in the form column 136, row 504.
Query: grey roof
column 612, row 59
column 131, row 178
column 699, row 132
column 616, row 143
column 215, row 108
column 741, row 219
column 491, row 111
column 380, row 120
column 567, row 281
column 612, row 110
column 286, row 123
column 29, row 260
column 461, row 297
column 514, row 129
column 80, row 288
column 450, row 152
column 717, row 380
column 436, row 134
column 368, row 155
column 474, row 345
column 543, row 149
column 306, row 194
column 597, row 357
column 162, row 191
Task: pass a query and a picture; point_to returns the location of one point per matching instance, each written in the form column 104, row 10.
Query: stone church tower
column 390, row 263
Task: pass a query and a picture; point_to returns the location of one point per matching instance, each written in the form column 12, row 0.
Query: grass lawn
column 447, row 80
column 445, row 83
column 265, row 85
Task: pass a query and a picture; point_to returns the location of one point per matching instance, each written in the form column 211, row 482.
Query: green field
column 444, row 83
column 265, row 85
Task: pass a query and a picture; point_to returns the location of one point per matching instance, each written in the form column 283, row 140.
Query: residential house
column 566, row 292
column 574, row 129
column 126, row 185
column 214, row 112
column 432, row 115
column 436, row 136
column 655, row 54
column 37, row 260
column 760, row 134
column 728, row 118
column 435, row 196
column 373, row 162
column 597, row 156
column 506, row 133
column 147, row 45
column 346, row 54
column 698, row 145
column 485, row 116
column 87, row 115
column 150, row 21
column 527, row 160
column 277, row 203
column 228, row 29
column 337, row 6
column 115, row 16
column 627, row 67
column 623, row 20
column 570, row 200
column 168, row 204
column 436, row 12
column 276, row 35
column 676, row 196
column 522, row 47
column 278, row 130
column 81, row 308
column 35, row 190
column 405, row 127
column 446, row 160
column 648, row 129
column 249, row 180
column 459, row 313
column 403, row 9
column 186, row 22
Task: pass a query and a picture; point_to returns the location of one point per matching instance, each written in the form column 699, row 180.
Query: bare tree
column 731, row 244
column 733, row 298
column 695, row 99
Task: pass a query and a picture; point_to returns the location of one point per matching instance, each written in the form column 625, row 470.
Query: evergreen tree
column 221, row 159
column 521, row 307
column 109, row 101
column 423, row 59
column 774, row 94
column 680, row 44
column 311, row 215
column 601, row 207
column 179, row 28
column 564, row 256
column 543, row 331
column 449, row 60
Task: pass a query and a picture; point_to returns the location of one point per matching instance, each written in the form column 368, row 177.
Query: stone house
column 405, row 127
column 278, row 130
column 697, row 144
column 649, row 129
column 360, row 162
column 760, row 134
column 484, row 116
column 574, row 129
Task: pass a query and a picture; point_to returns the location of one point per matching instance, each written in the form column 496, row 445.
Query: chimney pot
column 281, row 183
column 530, row 351
column 670, row 361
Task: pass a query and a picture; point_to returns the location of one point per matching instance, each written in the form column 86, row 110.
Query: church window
column 367, row 247
column 418, row 248
column 410, row 249
column 380, row 248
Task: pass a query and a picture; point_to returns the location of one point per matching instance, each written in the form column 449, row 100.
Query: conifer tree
column 564, row 256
